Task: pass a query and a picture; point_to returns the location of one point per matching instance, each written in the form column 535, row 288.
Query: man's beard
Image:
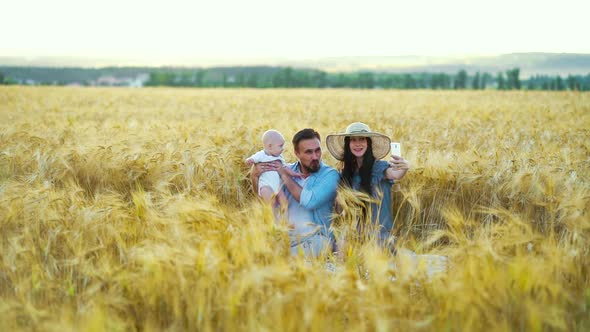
column 313, row 167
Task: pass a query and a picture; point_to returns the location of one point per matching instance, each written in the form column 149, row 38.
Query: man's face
column 309, row 153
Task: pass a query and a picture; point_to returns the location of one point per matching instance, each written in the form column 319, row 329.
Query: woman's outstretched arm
column 398, row 167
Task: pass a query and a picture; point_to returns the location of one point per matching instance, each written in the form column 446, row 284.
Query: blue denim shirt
column 381, row 190
column 317, row 197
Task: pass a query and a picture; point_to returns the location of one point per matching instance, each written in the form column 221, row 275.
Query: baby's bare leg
column 282, row 200
column 282, row 211
column 266, row 193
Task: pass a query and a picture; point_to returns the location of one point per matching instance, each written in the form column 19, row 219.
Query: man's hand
column 288, row 171
column 260, row 168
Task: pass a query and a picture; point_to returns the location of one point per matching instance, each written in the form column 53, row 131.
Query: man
column 310, row 196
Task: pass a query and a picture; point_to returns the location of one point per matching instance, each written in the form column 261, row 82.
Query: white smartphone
column 396, row 149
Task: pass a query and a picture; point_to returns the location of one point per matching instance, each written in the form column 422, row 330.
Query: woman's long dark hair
column 350, row 165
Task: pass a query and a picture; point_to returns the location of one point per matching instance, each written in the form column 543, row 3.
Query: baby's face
column 276, row 147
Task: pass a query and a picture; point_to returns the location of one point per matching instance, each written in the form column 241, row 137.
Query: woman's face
column 358, row 146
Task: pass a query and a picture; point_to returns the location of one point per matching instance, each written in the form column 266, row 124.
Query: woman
column 360, row 150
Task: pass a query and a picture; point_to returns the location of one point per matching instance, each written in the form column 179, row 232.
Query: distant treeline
column 304, row 78
column 286, row 77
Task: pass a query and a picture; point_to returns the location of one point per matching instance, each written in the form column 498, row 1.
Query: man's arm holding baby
column 259, row 168
column 276, row 165
column 287, row 175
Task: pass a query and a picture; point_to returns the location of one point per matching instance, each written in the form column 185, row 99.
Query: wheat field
column 131, row 209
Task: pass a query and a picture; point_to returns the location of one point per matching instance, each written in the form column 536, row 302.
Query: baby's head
column 273, row 142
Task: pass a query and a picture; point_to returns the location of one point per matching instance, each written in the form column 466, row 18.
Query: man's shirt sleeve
column 321, row 191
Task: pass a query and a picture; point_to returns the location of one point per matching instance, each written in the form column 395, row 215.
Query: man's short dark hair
column 306, row 133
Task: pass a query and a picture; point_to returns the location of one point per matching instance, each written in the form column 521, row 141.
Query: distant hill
column 529, row 63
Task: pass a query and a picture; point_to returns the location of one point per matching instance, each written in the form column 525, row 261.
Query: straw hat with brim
column 335, row 142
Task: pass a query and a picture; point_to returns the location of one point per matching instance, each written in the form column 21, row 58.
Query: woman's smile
column 358, row 146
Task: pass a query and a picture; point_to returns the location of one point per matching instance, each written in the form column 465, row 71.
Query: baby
column 269, row 183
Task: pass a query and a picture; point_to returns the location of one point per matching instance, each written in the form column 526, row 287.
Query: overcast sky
column 291, row 29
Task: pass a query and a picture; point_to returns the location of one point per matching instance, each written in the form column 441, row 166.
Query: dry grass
column 127, row 209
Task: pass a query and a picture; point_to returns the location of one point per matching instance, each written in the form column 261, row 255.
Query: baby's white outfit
column 270, row 179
